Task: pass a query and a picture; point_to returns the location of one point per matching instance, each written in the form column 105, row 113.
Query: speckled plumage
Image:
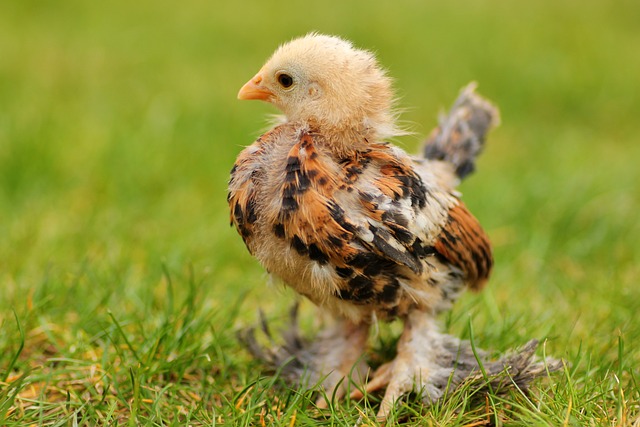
column 361, row 235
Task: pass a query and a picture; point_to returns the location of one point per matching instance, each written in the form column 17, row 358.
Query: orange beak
column 254, row 89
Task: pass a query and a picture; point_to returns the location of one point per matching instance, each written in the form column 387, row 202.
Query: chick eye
column 285, row 80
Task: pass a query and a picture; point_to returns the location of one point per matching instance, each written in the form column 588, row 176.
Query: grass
column 122, row 286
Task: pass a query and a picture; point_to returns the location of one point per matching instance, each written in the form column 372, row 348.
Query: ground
column 123, row 286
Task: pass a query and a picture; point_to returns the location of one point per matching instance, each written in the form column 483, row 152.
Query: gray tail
column 460, row 135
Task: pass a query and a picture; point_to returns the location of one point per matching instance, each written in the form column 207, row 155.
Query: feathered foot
column 334, row 358
column 431, row 363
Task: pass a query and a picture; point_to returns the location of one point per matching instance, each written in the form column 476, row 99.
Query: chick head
column 326, row 81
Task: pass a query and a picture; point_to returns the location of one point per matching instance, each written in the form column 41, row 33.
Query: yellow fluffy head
column 326, row 81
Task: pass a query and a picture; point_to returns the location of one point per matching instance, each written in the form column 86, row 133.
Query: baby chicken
column 355, row 224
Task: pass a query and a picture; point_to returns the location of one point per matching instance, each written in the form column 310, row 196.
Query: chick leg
column 415, row 364
column 414, row 367
column 430, row 362
column 337, row 354
column 333, row 357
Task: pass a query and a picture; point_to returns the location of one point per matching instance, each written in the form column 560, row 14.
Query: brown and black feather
column 360, row 234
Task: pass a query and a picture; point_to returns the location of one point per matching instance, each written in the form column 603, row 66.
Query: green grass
column 122, row 285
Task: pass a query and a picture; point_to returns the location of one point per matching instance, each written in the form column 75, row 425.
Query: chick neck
column 345, row 132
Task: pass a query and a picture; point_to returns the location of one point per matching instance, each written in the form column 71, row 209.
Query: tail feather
column 460, row 135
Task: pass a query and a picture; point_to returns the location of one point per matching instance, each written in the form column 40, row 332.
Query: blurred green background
column 119, row 123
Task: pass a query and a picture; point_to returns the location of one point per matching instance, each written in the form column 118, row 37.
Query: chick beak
column 254, row 89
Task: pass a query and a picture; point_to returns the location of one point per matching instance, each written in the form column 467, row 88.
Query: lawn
column 122, row 286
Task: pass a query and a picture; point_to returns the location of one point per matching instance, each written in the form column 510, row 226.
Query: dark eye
column 285, row 80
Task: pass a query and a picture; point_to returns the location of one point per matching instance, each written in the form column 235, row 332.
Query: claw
column 381, row 378
column 322, row 402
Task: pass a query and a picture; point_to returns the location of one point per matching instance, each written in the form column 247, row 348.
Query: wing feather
column 464, row 244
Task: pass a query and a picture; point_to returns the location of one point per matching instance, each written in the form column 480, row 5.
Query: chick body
column 355, row 224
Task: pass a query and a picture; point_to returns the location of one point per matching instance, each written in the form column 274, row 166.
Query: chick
column 353, row 223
